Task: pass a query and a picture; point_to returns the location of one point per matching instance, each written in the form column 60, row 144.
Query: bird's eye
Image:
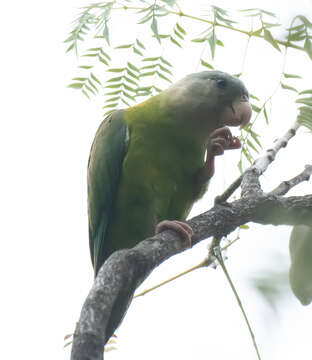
column 221, row 83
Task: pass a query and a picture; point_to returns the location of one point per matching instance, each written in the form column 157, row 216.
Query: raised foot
column 184, row 230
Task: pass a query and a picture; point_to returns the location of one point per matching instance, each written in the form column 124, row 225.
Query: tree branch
column 120, row 275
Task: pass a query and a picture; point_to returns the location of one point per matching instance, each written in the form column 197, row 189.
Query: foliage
column 144, row 73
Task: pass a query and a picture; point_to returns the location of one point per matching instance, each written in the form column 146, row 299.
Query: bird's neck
column 184, row 123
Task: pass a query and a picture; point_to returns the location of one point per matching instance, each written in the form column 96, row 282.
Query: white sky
column 46, row 272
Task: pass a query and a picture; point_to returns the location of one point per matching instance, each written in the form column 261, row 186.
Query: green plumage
column 145, row 161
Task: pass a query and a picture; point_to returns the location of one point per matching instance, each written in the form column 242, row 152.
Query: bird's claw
column 183, row 229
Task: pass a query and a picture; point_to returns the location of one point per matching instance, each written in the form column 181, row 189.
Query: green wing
column 104, row 169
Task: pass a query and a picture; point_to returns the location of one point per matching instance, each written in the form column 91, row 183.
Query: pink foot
column 184, row 230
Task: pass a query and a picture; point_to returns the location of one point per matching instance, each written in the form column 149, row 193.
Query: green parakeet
column 149, row 163
column 300, row 273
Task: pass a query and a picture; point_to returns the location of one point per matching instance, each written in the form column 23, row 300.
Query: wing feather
column 104, row 168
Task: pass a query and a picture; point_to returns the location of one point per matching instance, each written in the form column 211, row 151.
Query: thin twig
column 227, row 275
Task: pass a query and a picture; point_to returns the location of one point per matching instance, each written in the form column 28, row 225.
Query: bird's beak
column 238, row 114
column 245, row 111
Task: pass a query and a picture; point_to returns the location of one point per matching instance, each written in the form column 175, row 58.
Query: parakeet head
column 210, row 99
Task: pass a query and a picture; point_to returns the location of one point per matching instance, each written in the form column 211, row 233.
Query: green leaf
column 93, row 77
column 110, row 105
column 165, row 61
column 250, row 144
column 204, row 63
column 244, row 227
column 169, row 2
column 308, row 47
column 108, row 112
column 257, row 32
column 115, row 86
column 180, row 29
column 255, row 108
column 106, row 33
column 292, row 76
column 247, row 156
column 212, row 43
column 150, row 66
column 178, row 34
column 86, row 67
column 80, row 78
column 265, row 115
column 287, row 87
column 199, row 40
column 163, row 36
column 147, row 9
column 296, row 28
column 297, row 36
column 116, row 70
column 131, row 81
column 129, row 88
column 115, row 79
column 306, row 101
column 163, row 77
column 94, row 87
column 174, row 41
column 105, row 54
column 306, row 22
column 154, row 28
column 240, row 166
column 85, row 93
column 75, row 85
column 136, row 51
column 144, row 88
column 150, row 73
column 219, row 10
column 70, row 38
column 113, row 99
column 94, row 49
column 89, row 89
column 255, row 137
column 113, row 93
column 132, row 67
column 253, row 97
column 224, row 20
column 125, row 102
column 70, row 47
column 140, row 44
column 151, row 58
column 270, row 25
column 130, row 73
column 145, row 19
column 269, row 38
column 126, row 46
column 103, row 60
column 128, row 96
column 162, row 68
column 305, row 92
column 157, row 89
column 267, row 13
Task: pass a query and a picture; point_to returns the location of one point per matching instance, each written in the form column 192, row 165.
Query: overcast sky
column 46, row 273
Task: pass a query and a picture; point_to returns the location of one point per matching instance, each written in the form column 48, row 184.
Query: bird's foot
column 183, row 230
